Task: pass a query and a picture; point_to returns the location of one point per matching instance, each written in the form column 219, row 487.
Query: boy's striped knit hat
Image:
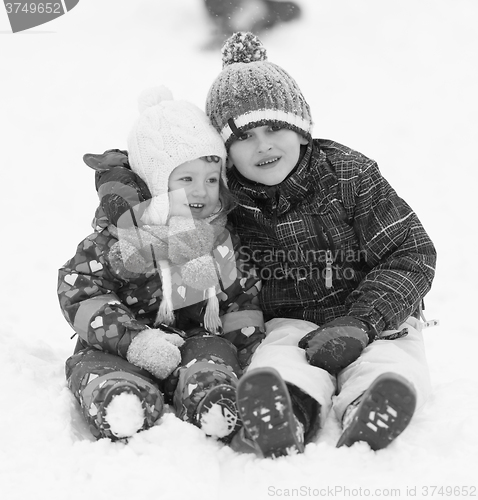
column 251, row 92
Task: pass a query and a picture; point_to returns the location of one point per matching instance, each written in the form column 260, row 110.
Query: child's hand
column 155, row 351
column 336, row 344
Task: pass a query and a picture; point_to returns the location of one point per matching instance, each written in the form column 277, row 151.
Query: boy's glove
column 155, row 351
column 336, row 344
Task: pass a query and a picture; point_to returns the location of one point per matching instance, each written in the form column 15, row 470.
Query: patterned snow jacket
column 107, row 309
column 334, row 239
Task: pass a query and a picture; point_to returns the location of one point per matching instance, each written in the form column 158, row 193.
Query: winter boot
column 266, row 411
column 307, row 410
column 217, row 413
column 124, row 408
column 117, row 398
column 122, row 414
column 380, row 414
column 206, row 385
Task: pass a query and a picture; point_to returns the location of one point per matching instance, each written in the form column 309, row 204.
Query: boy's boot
column 267, row 414
column 380, row 414
column 307, row 410
column 205, row 394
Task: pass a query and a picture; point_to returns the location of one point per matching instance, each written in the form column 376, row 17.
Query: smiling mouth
column 196, row 205
column 268, row 162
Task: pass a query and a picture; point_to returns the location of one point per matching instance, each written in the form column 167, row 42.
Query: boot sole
column 384, row 412
column 266, row 411
column 224, row 396
column 122, row 388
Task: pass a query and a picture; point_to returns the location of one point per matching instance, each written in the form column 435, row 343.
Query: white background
column 396, row 80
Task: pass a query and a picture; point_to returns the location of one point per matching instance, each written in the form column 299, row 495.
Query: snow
column 214, row 423
column 395, row 80
column 124, row 414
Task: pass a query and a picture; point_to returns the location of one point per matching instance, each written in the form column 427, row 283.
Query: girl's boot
column 117, row 399
column 206, row 387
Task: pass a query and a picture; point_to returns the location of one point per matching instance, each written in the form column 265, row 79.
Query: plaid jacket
column 334, row 239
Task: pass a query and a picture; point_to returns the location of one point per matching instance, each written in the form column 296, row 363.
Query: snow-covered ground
column 396, row 80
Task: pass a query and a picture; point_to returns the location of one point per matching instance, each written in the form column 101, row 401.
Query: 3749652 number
column 34, row 8
column 448, row 491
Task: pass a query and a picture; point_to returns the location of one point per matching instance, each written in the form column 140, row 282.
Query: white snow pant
column 405, row 356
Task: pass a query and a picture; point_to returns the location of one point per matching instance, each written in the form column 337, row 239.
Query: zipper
column 327, row 243
column 328, row 268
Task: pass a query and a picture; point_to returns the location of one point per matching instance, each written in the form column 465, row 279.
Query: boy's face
column 266, row 154
column 194, row 189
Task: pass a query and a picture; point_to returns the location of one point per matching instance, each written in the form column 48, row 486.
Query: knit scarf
column 184, row 242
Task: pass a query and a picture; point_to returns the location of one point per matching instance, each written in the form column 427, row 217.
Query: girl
column 163, row 311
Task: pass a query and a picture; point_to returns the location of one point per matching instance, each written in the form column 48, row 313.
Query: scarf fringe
column 212, row 322
column 156, row 237
column 165, row 312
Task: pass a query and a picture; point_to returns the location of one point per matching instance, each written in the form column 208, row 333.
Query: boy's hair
column 251, row 91
column 167, row 134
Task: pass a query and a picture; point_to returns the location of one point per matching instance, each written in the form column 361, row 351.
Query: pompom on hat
column 251, row 92
column 167, row 134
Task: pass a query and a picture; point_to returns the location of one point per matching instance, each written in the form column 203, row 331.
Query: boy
column 345, row 264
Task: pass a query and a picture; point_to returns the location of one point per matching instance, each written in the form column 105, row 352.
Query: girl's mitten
column 155, row 351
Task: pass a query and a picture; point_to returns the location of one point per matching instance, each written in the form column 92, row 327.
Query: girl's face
column 194, row 189
column 266, row 154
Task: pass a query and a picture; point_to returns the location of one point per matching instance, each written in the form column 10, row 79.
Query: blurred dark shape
column 230, row 16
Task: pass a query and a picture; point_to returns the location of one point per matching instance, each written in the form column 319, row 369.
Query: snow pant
column 405, row 356
column 94, row 377
column 206, row 361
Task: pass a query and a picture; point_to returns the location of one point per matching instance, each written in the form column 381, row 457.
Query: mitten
column 155, row 351
column 336, row 344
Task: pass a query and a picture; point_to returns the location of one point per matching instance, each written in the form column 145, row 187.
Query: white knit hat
column 167, row 134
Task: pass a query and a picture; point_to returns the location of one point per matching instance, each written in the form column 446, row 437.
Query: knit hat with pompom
column 167, row 134
column 251, row 92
